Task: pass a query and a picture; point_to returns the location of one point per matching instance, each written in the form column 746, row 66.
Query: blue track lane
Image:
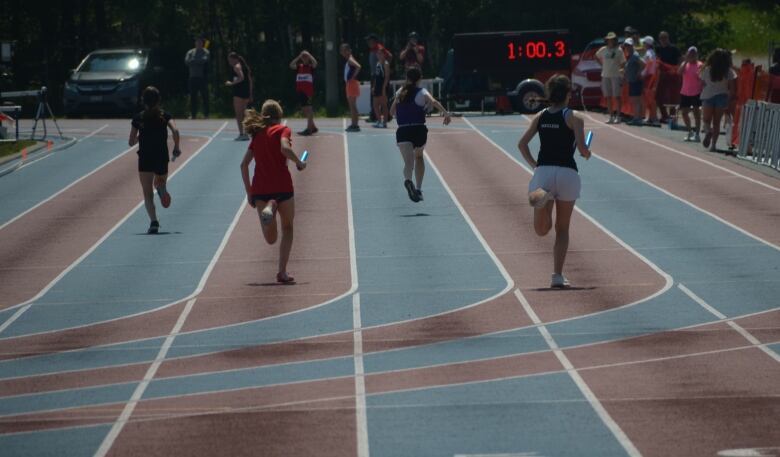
column 513, row 416
column 131, row 272
column 26, row 187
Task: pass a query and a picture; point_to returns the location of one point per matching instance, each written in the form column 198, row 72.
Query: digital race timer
column 512, row 53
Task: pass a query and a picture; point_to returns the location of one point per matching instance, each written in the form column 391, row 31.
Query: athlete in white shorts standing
column 556, row 182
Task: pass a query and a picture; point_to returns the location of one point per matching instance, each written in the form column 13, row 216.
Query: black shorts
column 690, row 101
column 304, row 99
column 635, row 89
column 278, row 196
column 241, row 91
column 377, row 90
column 157, row 164
column 415, row 134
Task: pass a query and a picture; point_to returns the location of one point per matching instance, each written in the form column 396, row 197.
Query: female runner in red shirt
column 271, row 183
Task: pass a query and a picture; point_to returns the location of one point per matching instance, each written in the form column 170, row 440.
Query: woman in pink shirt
column 691, row 90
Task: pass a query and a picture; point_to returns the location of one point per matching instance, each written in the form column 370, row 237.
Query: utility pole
column 331, row 60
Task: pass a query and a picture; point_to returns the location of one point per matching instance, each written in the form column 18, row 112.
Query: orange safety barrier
column 745, row 84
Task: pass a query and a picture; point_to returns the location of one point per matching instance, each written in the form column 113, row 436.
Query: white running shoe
column 559, row 281
column 689, row 137
column 696, row 137
column 539, row 198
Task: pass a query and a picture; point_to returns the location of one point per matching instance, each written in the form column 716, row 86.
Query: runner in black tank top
column 150, row 129
column 556, row 183
column 242, row 88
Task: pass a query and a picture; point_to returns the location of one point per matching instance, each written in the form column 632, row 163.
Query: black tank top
column 557, row 140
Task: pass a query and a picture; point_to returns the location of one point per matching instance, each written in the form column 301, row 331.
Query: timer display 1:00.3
column 536, row 50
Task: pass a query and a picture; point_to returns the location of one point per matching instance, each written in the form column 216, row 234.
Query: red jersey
column 304, row 80
column 271, row 173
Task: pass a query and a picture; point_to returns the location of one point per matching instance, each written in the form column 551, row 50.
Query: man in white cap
column 612, row 61
column 649, row 78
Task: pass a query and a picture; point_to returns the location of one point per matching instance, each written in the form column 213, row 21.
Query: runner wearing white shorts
column 556, row 182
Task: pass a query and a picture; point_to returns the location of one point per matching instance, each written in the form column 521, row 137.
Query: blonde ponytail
column 271, row 113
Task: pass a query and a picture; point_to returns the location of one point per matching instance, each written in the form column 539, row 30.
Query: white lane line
column 123, row 418
column 698, row 159
column 613, row 427
column 730, row 322
column 24, row 306
column 597, row 406
column 667, row 277
column 361, row 415
column 692, row 205
column 46, row 156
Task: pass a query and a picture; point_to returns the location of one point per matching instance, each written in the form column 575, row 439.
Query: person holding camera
column 413, row 55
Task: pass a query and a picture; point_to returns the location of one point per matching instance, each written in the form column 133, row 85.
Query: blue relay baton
column 589, row 138
column 305, row 155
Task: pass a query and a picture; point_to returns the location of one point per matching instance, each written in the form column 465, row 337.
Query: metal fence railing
column 760, row 133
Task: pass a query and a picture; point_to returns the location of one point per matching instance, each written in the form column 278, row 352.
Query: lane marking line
column 698, row 159
column 361, row 415
column 730, row 322
column 667, row 277
column 25, row 305
column 613, row 427
column 123, row 418
column 46, row 156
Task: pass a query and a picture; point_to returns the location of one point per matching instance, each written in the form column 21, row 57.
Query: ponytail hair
column 413, row 75
column 244, row 65
column 558, row 87
column 270, row 114
column 152, row 113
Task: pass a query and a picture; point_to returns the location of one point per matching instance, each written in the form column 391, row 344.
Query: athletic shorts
column 353, row 88
column 563, row 182
column 611, row 86
column 278, row 196
column 153, row 164
column 635, row 89
column 689, row 101
column 718, row 101
column 415, row 134
column 377, row 90
column 304, row 99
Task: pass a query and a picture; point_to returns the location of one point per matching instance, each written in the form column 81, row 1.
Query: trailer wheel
column 528, row 96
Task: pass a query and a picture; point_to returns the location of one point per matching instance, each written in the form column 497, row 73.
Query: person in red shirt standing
column 271, row 182
column 305, row 64
column 413, row 54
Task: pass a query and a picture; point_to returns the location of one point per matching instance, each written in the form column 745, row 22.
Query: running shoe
column 689, row 137
column 420, row 195
column 413, row 196
column 611, row 119
column 243, row 137
column 165, row 197
column 377, row 125
column 539, row 198
column 154, row 227
column 305, row 132
column 707, row 139
column 696, row 137
column 352, row 128
column 559, row 281
column 635, row 122
column 267, row 214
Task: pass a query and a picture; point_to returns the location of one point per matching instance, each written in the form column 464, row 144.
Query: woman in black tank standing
column 242, row 88
column 556, row 182
column 150, row 131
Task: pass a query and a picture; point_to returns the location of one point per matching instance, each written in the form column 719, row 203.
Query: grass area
column 9, row 148
column 752, row 28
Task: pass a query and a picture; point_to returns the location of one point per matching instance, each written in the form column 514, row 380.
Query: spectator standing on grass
column 380, row 86
column 668, row 54
column 690, row 93
column 242, row 88
column 197, row 60
column 650, row 80
column 612, row 61
column 719, row 89
column 413, row 55
column 633, row 75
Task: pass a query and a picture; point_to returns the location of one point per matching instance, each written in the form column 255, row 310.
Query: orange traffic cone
column 24, row 153
column 49, row 144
